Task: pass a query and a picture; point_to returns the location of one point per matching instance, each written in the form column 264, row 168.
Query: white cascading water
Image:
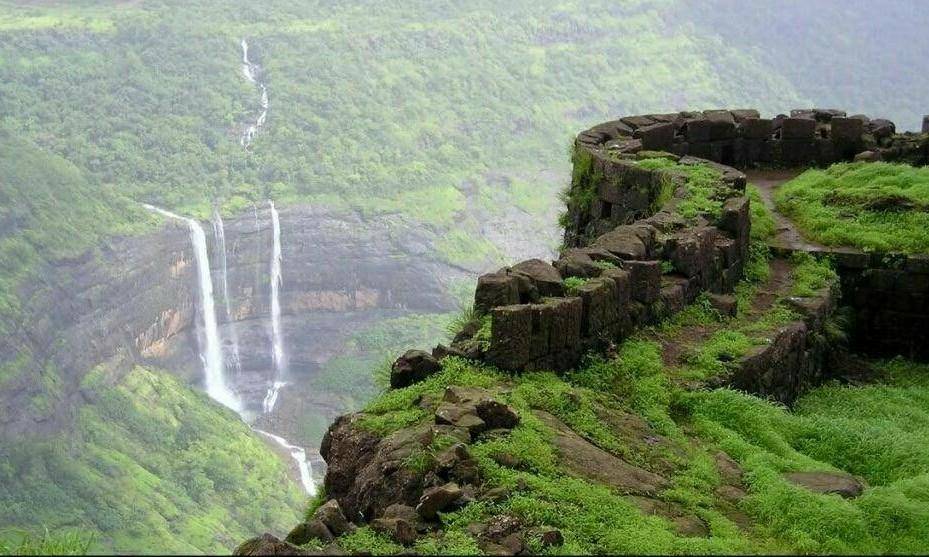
column 250, row 71
column 219, row 234
column 277, row 335
column 298, row 454
column 211, row 349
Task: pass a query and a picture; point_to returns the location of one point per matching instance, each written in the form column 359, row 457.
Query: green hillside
column 151, row 466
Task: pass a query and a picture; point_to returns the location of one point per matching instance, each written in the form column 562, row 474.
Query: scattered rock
column 838, row 483
column 464, row 416
column 544, row 276
column 312, row 530
column 868, row 156
column 549, row 537
column 501, row 526
column 267, row 544
column 400, row 530
column 412, row 367
column 436, row 499
column 725, row 304
column 332, row 516
column 497, row 415
column 690, row 526
column 730, row 493
column 495, row 495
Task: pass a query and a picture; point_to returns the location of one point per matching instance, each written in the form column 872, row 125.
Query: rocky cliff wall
column 134, row 300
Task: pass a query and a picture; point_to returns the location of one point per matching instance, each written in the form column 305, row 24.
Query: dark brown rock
column 868, row 156
column 725, row 304
column 497, row 415
column 400, row 530
column 463, row 416
column 544, row 276
column 436, row 499
column 798, row 128
column 627, row 242
column 576, row 263
column 495, row 289
column 266, row 544
column 412, row 367
column 837, row 483
column 656, row 137
column 645, row 278
column 332, row 516
column 308, row 531
column 549, row 537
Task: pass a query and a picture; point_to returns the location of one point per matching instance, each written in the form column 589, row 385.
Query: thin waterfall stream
column 219, row 234
column 252, row 73
column 211, row 353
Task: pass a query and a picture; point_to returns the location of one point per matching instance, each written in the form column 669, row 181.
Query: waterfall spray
column 219, row 234
column 211, row 349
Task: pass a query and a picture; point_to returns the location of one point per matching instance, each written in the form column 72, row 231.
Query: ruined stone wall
column 642, row 261
column 639, row 259
column 889, row 296
column 742, row 138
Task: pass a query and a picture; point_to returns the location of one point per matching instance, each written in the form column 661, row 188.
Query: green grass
column 810, row 275
column 571, row 284
column 67, row 542
column 875, row 207
column 762, row 219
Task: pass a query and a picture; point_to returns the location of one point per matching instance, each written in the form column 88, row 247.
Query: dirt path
column 786, row 234
column 675, row 344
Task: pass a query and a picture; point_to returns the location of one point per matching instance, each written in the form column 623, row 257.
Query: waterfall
column 251, row 73
column 299, row 455
column 219, row 234
column 210, row 350
column 277, row 337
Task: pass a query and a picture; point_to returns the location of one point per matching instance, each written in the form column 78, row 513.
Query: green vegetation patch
column 872, row 206
column 151, row 465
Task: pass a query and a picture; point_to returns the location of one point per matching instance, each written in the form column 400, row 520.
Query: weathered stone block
column 756, row 128
column 645, row 278
column 728, row 250
column 736, row 216
column 798, row 151
column 698, row 131
column 656, row 137
column 576, row 262
column 701, row 149
column 741, row 115
column 565, row 330
column 544, row 276
column 847, row 130
column 511, row 336
column 798, row 128
column 623, row 281
column 599, row 310
column 627, row 242
column 495, row 289
column 691, row 251
column 755, row 151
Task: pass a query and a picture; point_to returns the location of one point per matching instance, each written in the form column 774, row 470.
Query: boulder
column 495, row 289
column 548, row 537
column 267, row 544
column 881, row 128
column 627, row 242
column 868, row 156
column 837, row 483
column 497, row 415
column 544, row 276
column 756, row 128
column 332, row 516
column 310, row 530
column 656, row 137
column 400, row 530
column 412, row 367
column 576, row 263
column 645, row 280
column 436, row 499
column 460, row 415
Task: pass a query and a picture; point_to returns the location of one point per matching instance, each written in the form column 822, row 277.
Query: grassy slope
column 151, row 466
column 876, row 207
column 876, row 431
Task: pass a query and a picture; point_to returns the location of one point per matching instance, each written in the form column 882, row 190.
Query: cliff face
column 135, row 300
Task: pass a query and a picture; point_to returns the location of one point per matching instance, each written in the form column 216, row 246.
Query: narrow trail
column 786, row 234
column 676, row 344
